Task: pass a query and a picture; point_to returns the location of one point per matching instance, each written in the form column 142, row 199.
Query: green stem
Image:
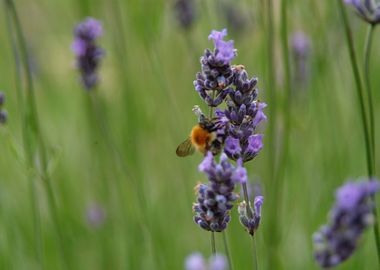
column 33, row 125
column 27, row 144
column 367, row 53
column 270, row 85
column 255, row 263
column 213, row 248
column 359, row 89
column 287, row 103
column 225, row 242
column 247, row 201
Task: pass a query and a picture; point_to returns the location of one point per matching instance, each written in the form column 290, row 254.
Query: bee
column 202, row 138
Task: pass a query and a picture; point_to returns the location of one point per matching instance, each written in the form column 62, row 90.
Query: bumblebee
column 202, row 138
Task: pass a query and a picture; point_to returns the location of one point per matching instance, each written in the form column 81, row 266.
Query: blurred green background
column 129, row 172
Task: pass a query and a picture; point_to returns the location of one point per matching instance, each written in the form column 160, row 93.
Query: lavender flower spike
column 251, row 221
column 87, row 53
column 351, row 215
column 368, row 10
column 215, row 199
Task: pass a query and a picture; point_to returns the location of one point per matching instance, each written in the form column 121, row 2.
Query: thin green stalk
column 359, row 88
column 247, row 201
column 250, row 215
column 33, row 124
column 367, row 53
column 27, row 145
column 287, row 104
column 283, row 153
column 256, row 263
column 213, row 248
column 270, row 85
column 226, row 249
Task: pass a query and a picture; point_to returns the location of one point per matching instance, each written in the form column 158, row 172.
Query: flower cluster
column 213, row 83
column 196, row 261
column 87, row 53
column 3, row 113
column 368, row 10
column 351, row 215
column 236, row 126
column 215, row 199
column 250, row 218
column 185, row 13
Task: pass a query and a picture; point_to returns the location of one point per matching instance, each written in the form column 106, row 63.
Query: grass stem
column 359, row 88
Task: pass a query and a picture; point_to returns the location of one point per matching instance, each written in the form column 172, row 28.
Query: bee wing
column 186, row 148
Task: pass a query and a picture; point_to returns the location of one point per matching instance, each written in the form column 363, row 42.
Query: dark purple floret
column 349, row 218
column 2, row 99
column 250, row 217
column 87, row 53
column 185, row 13
column 3, row 113
column 368, row 10
column 215, row 199
column 3, row 116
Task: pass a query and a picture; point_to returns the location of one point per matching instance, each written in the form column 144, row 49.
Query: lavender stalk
column 367, row 53
column 359, row 89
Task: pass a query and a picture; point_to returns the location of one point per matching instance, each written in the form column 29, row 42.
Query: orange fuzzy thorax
column 201, row 138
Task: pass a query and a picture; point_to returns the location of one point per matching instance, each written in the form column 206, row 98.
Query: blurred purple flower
column 368, row 10
column 3, row 113
column 185, row 13
column 95, row 215
column 196, row 261
column 301, row 47
column 88, row 54
column 350, row 216
column 2, row 99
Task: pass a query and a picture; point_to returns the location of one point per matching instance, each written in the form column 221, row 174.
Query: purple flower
column 350, row 216
column 95, row 215
column 300, row 45
column 254, row 146
column 250, row 217
column 240, row 175
column 217, row 36
column 2, row 99
column 218, row 262
column 259, row 200
column 368, row 10
column 215, row 199
column 196, row 261
column 3, row 116
column 3, row 113
column 185, row 13
column 88, row 54
column 260, row 115
column 232, row 148
column 224, row 50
